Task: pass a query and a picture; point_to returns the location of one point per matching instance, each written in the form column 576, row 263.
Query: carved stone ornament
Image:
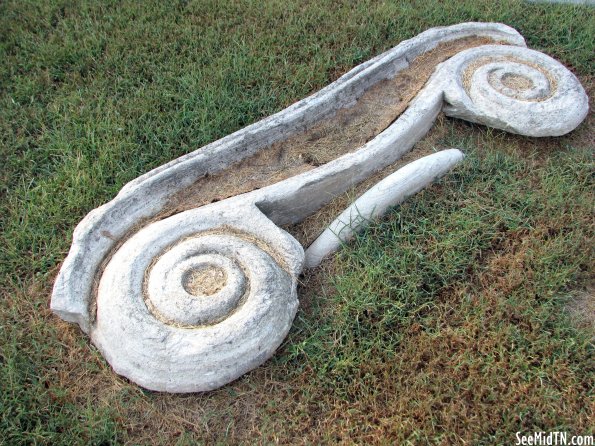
column 184, row 290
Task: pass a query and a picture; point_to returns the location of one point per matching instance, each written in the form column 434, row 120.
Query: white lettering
column 561, row 438
column 553, row 438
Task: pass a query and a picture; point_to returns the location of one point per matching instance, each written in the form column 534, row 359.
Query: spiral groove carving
column 197, row 304
column 514, row 89
column 509, row 77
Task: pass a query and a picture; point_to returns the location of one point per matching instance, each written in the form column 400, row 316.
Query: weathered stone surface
column 192, row 301
column 153, row 331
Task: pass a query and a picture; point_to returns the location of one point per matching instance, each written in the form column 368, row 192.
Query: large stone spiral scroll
column 198, row 299
column 190, row 299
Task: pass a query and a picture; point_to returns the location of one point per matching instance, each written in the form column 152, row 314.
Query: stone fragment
column 188, row 301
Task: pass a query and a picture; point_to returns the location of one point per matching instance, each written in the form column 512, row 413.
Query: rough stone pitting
column 391, row 191
column 189, row 301
column 514, row 81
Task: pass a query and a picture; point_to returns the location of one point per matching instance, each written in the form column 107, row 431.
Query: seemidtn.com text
column 553, row 439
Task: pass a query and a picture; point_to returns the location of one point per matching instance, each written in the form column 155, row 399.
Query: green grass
column 443, row 323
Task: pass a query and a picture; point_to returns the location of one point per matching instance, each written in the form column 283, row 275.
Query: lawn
column 462, row 317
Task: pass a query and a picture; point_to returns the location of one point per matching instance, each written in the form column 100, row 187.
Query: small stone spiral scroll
column 515, row 89
column 191, row 301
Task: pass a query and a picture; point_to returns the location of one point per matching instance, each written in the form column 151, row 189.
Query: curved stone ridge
column 192, row 301
column 145, row 197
